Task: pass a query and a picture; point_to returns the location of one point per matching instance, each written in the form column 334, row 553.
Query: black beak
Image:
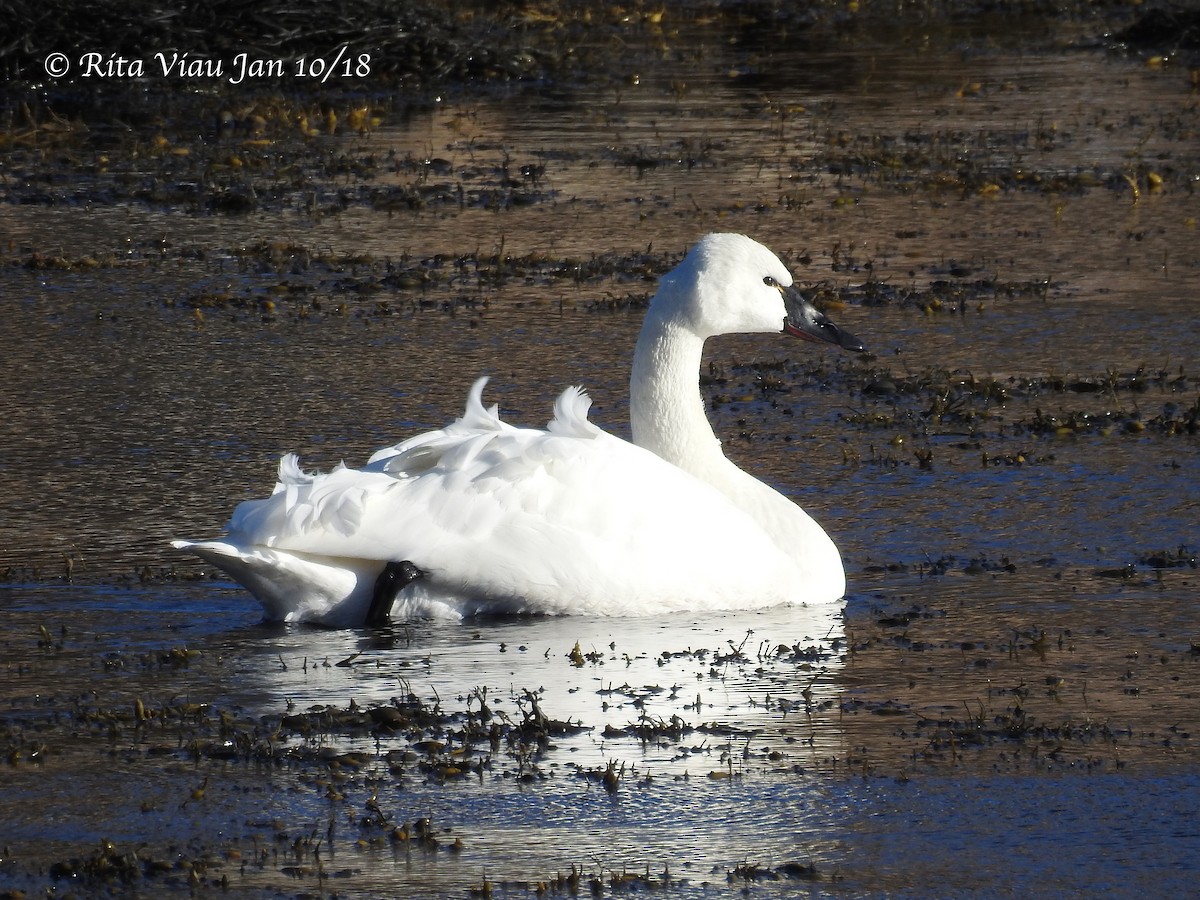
column 805, row 321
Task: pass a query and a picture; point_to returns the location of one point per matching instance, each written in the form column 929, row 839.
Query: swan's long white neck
column 667, row 417
column 666, row 410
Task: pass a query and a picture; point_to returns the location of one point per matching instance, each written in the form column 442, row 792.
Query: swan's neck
column 666, row 411
column 667, row 417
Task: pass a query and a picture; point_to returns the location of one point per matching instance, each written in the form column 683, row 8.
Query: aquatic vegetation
column 750, row 872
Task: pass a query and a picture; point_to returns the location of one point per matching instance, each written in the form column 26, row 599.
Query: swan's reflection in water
column 669, row 695
column 746, row 703
column 714, row 727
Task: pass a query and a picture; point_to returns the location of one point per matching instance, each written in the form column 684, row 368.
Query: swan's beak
column 805, row 321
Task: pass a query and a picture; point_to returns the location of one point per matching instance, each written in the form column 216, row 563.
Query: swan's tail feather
column 295, row 587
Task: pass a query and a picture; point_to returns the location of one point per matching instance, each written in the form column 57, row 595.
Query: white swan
column 486, row 517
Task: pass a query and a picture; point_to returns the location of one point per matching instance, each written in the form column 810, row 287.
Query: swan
column 483, row 517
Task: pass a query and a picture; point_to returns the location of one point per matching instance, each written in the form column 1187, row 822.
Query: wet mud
column 199, row 276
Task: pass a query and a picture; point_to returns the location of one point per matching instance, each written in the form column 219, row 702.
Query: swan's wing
column 570, row 519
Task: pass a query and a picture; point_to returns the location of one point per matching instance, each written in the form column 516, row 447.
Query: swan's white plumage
column 569, row 519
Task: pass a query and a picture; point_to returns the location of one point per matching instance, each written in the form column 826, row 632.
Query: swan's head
column 730, row 284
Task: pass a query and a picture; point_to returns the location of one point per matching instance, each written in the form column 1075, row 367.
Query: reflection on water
column 724, row 674
column 1010, row 682
column 798, row 742
column 748, row 696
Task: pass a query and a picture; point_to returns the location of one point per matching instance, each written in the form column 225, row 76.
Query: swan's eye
column 769, row 281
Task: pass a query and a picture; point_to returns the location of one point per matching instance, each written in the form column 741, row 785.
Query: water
column 1005, row 705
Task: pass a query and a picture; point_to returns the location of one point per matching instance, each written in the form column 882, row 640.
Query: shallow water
column 1007, row 704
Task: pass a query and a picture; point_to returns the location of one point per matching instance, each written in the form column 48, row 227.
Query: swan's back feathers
column 477, row 417
column 570, row 415
column 423, row 452
column 304, row 502
column 290, row 472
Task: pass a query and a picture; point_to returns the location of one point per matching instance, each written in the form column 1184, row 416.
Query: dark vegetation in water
column 1167, row 29
column 429, row 44
column 223, row 148
column 957, row 411
column 1029, row 695
column 412, row 45
column 345, row 758
column 1029, row 676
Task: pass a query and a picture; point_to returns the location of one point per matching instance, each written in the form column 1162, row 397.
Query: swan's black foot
column 394, row 578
